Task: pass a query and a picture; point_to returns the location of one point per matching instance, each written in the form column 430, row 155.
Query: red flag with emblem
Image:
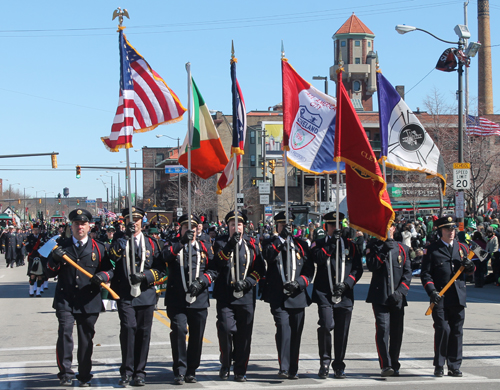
column 368, row 203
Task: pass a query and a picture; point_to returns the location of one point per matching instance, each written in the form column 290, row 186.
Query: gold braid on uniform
column 255, row 275
column 155, row 274
column 222, row 256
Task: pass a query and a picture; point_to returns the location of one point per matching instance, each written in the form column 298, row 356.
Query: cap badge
column 79, row 212
column 450, row 219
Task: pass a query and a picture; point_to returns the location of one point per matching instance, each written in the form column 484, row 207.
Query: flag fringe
column 380, row 179
column 313, row 172
column 128, row 145
column 429, row 175
column 146, row 129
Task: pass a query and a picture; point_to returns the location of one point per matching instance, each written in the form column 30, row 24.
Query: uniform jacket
column 175, row 294
column 154, row 269
column 323, row 249
column 272, row 249
column 223, row 288
column 74, row 292
column 13, row 244
column 377, row 261
column 438, row 267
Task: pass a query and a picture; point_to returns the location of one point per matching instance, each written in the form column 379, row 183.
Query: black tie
column 80, row 244
column 450, row 249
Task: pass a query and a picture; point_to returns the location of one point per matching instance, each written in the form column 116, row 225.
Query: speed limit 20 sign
column 461, row 176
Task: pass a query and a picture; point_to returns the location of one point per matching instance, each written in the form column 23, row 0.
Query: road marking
column 166, row 322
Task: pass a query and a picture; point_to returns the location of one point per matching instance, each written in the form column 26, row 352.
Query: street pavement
column 29, row 330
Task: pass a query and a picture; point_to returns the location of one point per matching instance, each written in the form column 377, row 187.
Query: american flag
column 479, row 126
column 239, row 131
column 145, row 99
column 109, row 214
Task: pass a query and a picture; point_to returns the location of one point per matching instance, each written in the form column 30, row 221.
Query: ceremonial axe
column 50, row 245
column 474, row 250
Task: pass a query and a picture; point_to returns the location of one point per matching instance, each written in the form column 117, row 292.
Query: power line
column 407, row 92
column 307, row 17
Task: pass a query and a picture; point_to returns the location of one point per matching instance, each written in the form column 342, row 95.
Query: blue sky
column 60, row 73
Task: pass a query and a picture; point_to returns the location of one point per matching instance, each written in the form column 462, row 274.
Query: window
column 342, row 43
column 368, row 133
column 356, row 86
column 252, row 137
column 369, row 44
column 357, row 43
column 252, row 160
column 357, row 60
column 159, row 158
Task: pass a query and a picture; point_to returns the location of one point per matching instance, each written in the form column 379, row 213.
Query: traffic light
column 59, row 198
column 78, row 202
column 19, row 201
column 59, row 201
column 78, row 171
column 264, row 166
column 40, row 201
column 272, row 166
column 53, row 157
column 254, row 182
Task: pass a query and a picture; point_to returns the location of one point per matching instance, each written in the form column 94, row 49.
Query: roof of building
column 354, row 26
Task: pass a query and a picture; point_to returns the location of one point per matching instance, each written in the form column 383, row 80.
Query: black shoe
column 455, row 372
column 240, row 378
column 339, row 374
column 224, row 373
column 85, row 384
column 139, row 381
column 179, row 380
column 32, row 295
column 191, row 379
column 438, row 371
column 387, row 371
column 283, row 374
column 324, row 370
column 65, row 381
column 396, row 373
column 125, row 380
column 293, row 376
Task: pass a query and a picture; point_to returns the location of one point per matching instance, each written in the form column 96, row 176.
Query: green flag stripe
column 197, row 102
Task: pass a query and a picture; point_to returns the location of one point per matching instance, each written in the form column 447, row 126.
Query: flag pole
column 190, row 139
column 236, row 257
column 384, row 173
column 287, row 220
column 135, row 289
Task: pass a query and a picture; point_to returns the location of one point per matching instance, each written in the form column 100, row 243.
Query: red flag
column 368, row 203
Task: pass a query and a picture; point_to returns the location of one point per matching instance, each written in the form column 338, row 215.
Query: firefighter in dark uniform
column 388, row 307
column 235, row 293
column 77, row 298
column 285, row 290
column 442, row 260
column 334, row 295
column 134, row 283
column 12, row 244
column 187, row 297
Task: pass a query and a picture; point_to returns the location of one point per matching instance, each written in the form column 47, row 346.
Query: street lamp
column 112, row 192
column 326, row 82
column 179, row 174
column 51, row 192
column 463, row 58
column 119, row 195
column 10, row 187
column 105, row 184
column 24, row 200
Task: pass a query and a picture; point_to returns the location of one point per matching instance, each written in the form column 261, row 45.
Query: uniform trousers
column 234, row 330
column 448, row 336
column 389, row 327
column 337, row 319
column 186, row 360
column 289, row 325
column 85, row 324
column 135, row 336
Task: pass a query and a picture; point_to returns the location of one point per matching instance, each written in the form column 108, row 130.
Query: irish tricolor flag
column 207, row 154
